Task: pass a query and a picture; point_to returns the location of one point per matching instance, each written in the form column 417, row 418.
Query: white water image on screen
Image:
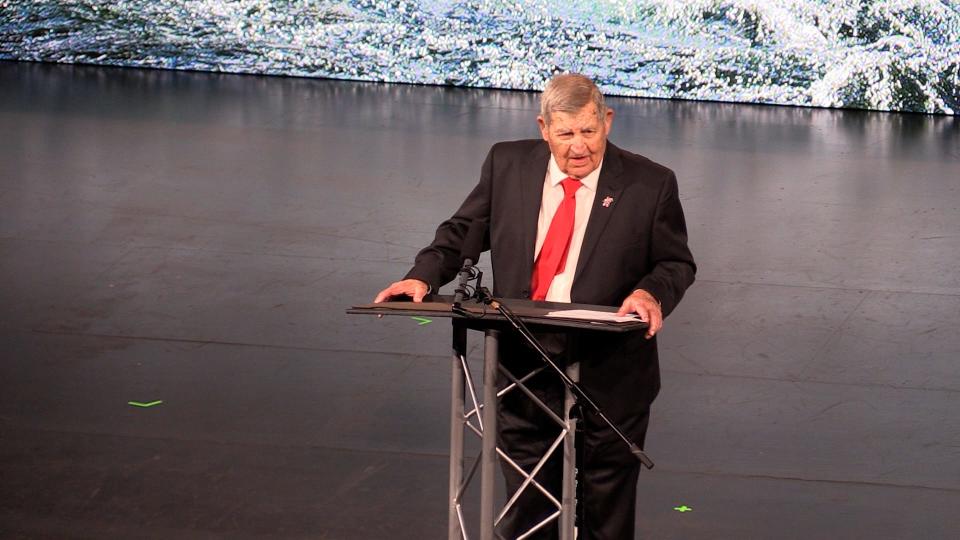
column 899, row 55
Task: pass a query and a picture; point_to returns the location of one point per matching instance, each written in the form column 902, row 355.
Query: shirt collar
column 555, row 175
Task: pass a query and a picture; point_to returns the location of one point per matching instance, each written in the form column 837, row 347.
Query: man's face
column 577, row 141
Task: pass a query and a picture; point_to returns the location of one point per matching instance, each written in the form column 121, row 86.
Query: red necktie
column 553, row 253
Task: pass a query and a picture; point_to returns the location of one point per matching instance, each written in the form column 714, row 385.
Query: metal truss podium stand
column 469, row 413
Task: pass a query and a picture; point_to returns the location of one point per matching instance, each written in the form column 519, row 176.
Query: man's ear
column 543, row 127
column 608, row 119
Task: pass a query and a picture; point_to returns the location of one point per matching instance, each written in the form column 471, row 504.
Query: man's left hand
column 646, row 306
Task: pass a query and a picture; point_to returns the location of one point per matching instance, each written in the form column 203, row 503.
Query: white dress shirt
column 552, row 197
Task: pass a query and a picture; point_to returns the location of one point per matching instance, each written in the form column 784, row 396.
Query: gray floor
column 195, row 238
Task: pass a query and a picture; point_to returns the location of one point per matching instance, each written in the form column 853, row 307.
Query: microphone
column 469, row 255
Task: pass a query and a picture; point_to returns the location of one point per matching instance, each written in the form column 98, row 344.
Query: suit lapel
column 609, row 187
column 531, row 195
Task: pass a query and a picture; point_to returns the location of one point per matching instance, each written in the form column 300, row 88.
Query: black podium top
column 533, row 313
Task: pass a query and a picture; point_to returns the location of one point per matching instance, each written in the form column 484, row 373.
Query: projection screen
column 901, row 55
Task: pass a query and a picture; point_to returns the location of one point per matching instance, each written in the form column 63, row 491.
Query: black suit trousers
column 608, row 471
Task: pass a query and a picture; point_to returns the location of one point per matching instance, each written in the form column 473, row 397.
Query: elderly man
column 573, row 218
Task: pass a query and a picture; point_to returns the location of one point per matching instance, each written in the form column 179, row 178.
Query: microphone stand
column 468, row 272
column 483, row 295
column 470, row 252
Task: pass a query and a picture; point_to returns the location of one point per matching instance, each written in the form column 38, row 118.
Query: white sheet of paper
column 589, row 315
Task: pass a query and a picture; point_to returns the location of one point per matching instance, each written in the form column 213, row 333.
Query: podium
column 470, row 413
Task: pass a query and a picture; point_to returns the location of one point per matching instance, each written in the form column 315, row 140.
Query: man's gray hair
column 568, row 93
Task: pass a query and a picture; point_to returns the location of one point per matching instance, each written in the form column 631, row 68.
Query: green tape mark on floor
column 145, row 405
column 421, row 320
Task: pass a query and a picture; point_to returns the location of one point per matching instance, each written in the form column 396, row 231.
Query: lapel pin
column 607, row 201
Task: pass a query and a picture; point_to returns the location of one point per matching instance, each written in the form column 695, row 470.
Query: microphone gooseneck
column 469, row 255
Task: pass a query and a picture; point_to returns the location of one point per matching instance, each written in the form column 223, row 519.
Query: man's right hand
column 413, row 288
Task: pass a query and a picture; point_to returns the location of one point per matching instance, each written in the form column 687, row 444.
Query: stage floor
column 195, row 238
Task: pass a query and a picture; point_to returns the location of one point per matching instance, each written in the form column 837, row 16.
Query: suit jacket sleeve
column 673, row 267
column 438, row 263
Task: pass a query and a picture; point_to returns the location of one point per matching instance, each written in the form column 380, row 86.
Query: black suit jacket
column 637, row 241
